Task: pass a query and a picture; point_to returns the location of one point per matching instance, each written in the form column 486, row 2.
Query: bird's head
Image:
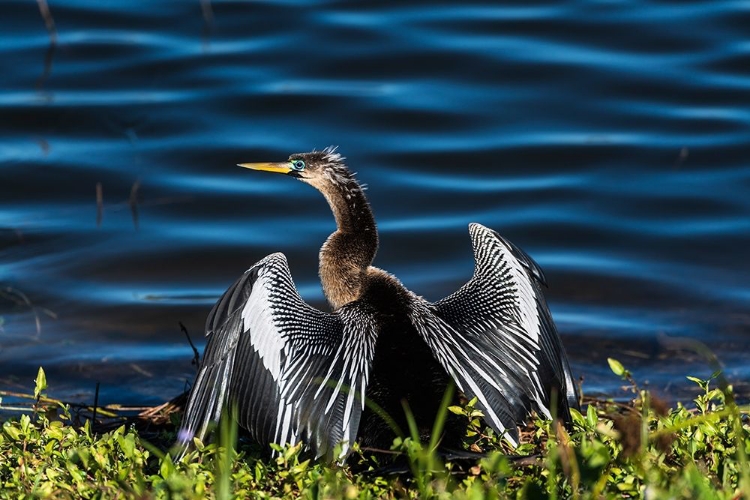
column 321, row 169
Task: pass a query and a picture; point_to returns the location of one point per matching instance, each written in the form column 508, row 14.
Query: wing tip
column 475, row 228
column 479, row 232
column 274, row 257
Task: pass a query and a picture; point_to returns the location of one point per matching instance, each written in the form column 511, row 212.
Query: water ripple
column 609, row 140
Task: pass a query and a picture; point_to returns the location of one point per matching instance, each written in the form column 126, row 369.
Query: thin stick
column 99, row 204
column 49, row 22
column 28, row 396
column 46, row 72
column 208, row 13
column 133, row 201
column 208, row 21
column 14, row 294
column 15, row 408
column 106, row 410
column 196, row 355
column 96, row 405
column 379, row 450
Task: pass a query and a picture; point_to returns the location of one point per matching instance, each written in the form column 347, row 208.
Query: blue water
column 609, row 139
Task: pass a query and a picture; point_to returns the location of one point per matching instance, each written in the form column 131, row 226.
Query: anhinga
column 295, row 373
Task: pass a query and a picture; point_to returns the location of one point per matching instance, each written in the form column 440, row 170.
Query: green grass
column 634, row 449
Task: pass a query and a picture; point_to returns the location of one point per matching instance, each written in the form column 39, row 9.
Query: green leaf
column 456, row 409
column 127, row 445
column 591, row 417
column 74, row 471
column 616, row 367
column 577, row 418
column 25, row 424
column 198, row 444
column 41, row 383
column 166, row 468
column 599, row 457
column 12, row 431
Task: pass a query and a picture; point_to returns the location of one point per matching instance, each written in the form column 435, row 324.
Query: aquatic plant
column 616, row 449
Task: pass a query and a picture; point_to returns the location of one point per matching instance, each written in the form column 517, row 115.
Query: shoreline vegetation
column 634, row 449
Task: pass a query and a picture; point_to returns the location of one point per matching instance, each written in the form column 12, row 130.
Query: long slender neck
column 348, row 251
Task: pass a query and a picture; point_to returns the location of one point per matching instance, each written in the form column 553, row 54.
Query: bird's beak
column 279, row 168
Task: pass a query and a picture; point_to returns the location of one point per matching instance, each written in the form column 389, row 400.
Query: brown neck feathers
column 349, row 251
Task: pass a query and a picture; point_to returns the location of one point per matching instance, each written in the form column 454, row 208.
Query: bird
column 296, row 374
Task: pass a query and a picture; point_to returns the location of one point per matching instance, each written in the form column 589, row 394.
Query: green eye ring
column 297, row 165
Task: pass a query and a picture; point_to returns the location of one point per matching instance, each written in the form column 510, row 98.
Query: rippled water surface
column 609, row 139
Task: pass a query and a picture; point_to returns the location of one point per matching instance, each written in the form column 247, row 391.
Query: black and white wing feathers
column 496, row 338
column 292, row 372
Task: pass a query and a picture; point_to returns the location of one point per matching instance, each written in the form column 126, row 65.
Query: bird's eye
column 298, row 165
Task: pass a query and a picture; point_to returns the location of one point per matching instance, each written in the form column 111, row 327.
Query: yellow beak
column 279, row 168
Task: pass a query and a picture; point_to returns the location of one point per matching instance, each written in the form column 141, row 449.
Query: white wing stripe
column 324, row 383
column 258, row 321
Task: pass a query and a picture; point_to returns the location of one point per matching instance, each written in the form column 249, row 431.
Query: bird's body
column 404, row 368
column 296, row 373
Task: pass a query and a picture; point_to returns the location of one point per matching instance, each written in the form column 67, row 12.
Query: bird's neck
column 349, row 251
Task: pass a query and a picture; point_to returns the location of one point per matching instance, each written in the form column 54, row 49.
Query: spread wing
column 496, row 338
column 294, row 373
